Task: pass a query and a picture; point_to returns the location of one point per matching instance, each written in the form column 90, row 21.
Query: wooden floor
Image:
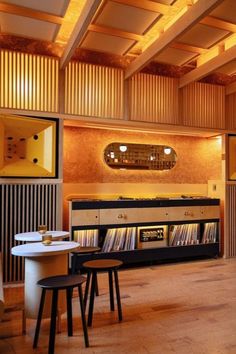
column 185, row 308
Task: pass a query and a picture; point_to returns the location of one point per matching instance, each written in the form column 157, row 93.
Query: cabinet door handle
column 188, row 213
column 121, row 216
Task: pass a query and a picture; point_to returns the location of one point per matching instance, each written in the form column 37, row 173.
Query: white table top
column 35, row 236
column 37, row 249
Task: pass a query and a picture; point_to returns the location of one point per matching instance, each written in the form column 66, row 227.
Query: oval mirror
column 140, row 156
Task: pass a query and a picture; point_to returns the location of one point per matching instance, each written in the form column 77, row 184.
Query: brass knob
column 188, row 213
column 121, row 216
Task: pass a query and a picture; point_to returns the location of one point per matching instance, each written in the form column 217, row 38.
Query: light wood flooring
column 184, row 308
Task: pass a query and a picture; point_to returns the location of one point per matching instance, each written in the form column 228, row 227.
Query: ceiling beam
column 231, row 88
column 207, row 68
column 146, row 5
column 217, row 23
column 80, row 29
column 114, row 32
column 26, row 12
column 184, row 23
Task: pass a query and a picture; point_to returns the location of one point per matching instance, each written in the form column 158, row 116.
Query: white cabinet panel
column 132, row 215
column 184, row 213
column 210, row 212
column 85, row 217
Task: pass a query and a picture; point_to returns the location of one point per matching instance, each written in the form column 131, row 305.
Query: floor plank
column 179, row 308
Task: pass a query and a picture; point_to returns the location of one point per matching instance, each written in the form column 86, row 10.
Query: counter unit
column 136, row 230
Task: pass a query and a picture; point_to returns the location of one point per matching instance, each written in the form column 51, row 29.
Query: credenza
column 147, row 229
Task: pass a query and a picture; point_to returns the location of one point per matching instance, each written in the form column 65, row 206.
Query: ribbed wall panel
column 153, row 99
column 23, row 208
column 28, row 81
column 93, row 90
column 203, row 105
column 230, row 221
column 230, row 115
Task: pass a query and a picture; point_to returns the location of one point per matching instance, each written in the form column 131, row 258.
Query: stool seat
column 102, row 264
column 86, row 249
column 61, row 282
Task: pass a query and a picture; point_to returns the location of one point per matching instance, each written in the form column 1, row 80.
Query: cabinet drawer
column 85, row 217
column 132, row 215
column 184, row 213
column 210, row 212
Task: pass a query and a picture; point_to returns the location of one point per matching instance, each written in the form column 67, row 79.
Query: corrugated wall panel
column 203, row 105
column 92, row 90
column 153, row 99
column 230, row 221
column 28, row 81
column 230, row 115
column 23, row 208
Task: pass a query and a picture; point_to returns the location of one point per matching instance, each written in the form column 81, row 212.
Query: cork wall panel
column 84, row 163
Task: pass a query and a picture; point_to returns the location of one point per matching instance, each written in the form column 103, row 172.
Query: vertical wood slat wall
column 153, row 99
column 230, row 111
column 23, row 208
column 92, row 90
column 28, row 81
column 203, row 105
column 230, row 221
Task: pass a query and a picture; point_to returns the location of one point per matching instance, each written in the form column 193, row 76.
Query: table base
column 37, row 268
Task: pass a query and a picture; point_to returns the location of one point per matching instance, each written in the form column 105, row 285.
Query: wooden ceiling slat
column 217, row 23
column 188, row 48
column 188, row 20
column 114, row 32
column 208, row 67
column 146, row 5
column 26, row 12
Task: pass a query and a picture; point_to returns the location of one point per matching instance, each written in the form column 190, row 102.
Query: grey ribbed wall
column 23, row 208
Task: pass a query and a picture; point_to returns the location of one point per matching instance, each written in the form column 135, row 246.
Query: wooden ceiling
column 190, row 39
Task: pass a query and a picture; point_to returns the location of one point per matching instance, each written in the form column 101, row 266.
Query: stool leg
column 53, row 322
column 69, row 311
column 91, row 302
column 111, row 290
column 87, row 289
column 73, row 265
column 23, row 322
column 118, row 295
column 58, row 320
column 86, row 340
column 40, row 313
column 96, row 286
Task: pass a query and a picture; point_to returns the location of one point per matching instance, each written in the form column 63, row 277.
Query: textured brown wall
column 199, row 159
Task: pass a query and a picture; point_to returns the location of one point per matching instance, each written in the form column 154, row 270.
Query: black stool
column 102, row 265
column 56, row 283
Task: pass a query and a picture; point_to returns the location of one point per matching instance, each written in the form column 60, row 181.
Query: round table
column 35, row 236
column 41, row 262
